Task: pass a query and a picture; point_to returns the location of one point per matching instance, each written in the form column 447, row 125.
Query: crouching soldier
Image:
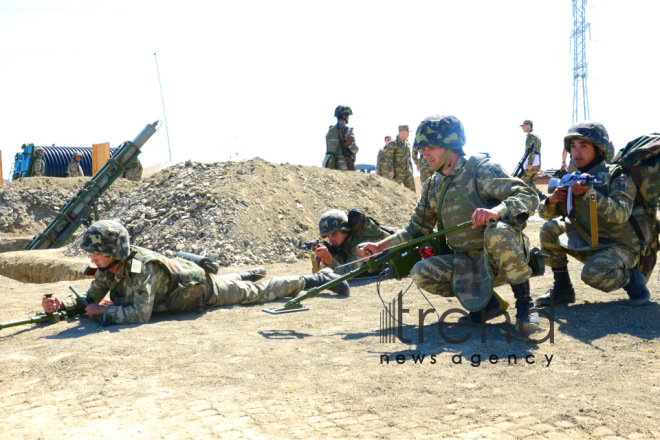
column 599, row 233
column 494, row 250
column 142, row 282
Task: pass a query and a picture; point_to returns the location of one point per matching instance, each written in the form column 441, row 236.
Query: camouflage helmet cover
column 593, row 132
column 333, row 221
column 76, row 153
column 440, row 131
column 40, row 151
column 108, row 238
column 343, row 110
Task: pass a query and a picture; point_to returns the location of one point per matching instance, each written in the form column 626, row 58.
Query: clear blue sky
column 262, row 78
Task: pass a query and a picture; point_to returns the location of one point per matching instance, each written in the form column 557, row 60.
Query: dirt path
column 237, row 372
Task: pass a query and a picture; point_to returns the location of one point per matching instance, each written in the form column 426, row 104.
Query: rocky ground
column 237, row 372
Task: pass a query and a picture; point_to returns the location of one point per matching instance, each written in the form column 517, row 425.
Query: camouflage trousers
column 230, row 289
column 406, row 179
column 529, row 177
column 604, row 269
column 505, row 249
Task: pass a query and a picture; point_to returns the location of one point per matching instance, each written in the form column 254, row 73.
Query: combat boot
column 637, row 291
column 526, row 320
column 561, row 291
column 254, row 274
column 493, row 309
column 325, row 276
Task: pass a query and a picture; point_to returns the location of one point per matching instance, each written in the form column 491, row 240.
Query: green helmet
column 108, row 238
column 40, row 152
column 333, row 221
column 440, row 131
column 594, row 132
column 342, row 111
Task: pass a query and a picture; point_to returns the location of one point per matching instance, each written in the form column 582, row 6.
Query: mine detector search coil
column 79, row 208
column 403, row 256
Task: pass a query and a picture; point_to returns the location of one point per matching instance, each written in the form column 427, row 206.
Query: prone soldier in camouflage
column 39, row 164
column 397, row 161
column 343, row 232
column 74, row 169
column 340, row 142
column 422, row 164
column 134, row 170
column 494, row 251
column 611, row 263
column 533, row 164
column 142, row 282
column 380, row 160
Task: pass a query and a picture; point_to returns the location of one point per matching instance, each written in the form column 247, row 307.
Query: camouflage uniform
column 398, row 161
column 502, row 241
column 605, row 269
column 74, row 169
column 148, row 282
column 134, row 170
column 380, row 161
column 338, row 135
column 39, row 165
column 421, row 163
column 532, row 142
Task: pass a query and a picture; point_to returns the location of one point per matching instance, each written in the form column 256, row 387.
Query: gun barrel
column 52, row 317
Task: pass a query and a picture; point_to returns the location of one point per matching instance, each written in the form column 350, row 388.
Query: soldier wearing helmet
column 38, row 164
column 74, row 169
column 342, row 233
column 341, row 149
column 533, row 163
column 494, row 251
column 397, row 162
column 142, row 282
column 600, row 232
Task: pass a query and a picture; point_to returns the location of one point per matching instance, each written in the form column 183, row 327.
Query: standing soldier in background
column 380, row 161
column 533, row 163
column 39, row 165
column 74, row 169
column 134, row 170
column 398, row 164
column 340, row 143
column 422, row 164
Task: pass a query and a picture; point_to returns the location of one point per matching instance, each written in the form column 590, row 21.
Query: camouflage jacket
column 397, row 159
column 513, row 200
column 74, row 169
column 144, row 285
column 534, row 142
column 38, row 167
column 380, row 161
column 614, row 205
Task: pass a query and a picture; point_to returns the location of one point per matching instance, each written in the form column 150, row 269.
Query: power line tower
column 580, row 97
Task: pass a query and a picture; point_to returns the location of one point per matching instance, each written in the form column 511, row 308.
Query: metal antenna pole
column 580, row 97
column 163, row 102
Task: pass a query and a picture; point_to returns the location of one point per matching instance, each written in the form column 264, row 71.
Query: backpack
column 363, row 225
column 640, row 159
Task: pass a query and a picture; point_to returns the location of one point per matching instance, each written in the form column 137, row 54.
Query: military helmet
column 40, row 151
column 342, row 111
column 77, row 153
column 594, row 132
column 333, row 221
column 108, row 238
column 440, row 131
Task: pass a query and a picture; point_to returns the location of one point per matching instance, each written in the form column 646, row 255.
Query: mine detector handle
column 78, row 208
column 41, row 317
column 370, row 266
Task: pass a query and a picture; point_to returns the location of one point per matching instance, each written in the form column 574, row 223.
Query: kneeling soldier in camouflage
column 599, row 233
column 142, row 282
column 495, row 250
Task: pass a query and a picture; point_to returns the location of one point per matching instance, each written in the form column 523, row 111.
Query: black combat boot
column 325, row 276
column 637, row 291
column 561, row 291
column 254, row 274
column 525, row 319
column 492, row 310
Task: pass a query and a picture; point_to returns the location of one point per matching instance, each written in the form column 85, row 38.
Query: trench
column 41, row 266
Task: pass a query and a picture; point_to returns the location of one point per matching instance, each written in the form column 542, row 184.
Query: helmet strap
column 110, row 266
column 445, row 160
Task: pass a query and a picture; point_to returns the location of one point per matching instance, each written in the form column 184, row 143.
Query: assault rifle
column 343, row 144
column 402, row 256
column 569, row 180
column 49, row 317
column 310, row 245
column 520, row 168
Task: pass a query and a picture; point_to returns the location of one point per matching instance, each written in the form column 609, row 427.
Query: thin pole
column 163, row 101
